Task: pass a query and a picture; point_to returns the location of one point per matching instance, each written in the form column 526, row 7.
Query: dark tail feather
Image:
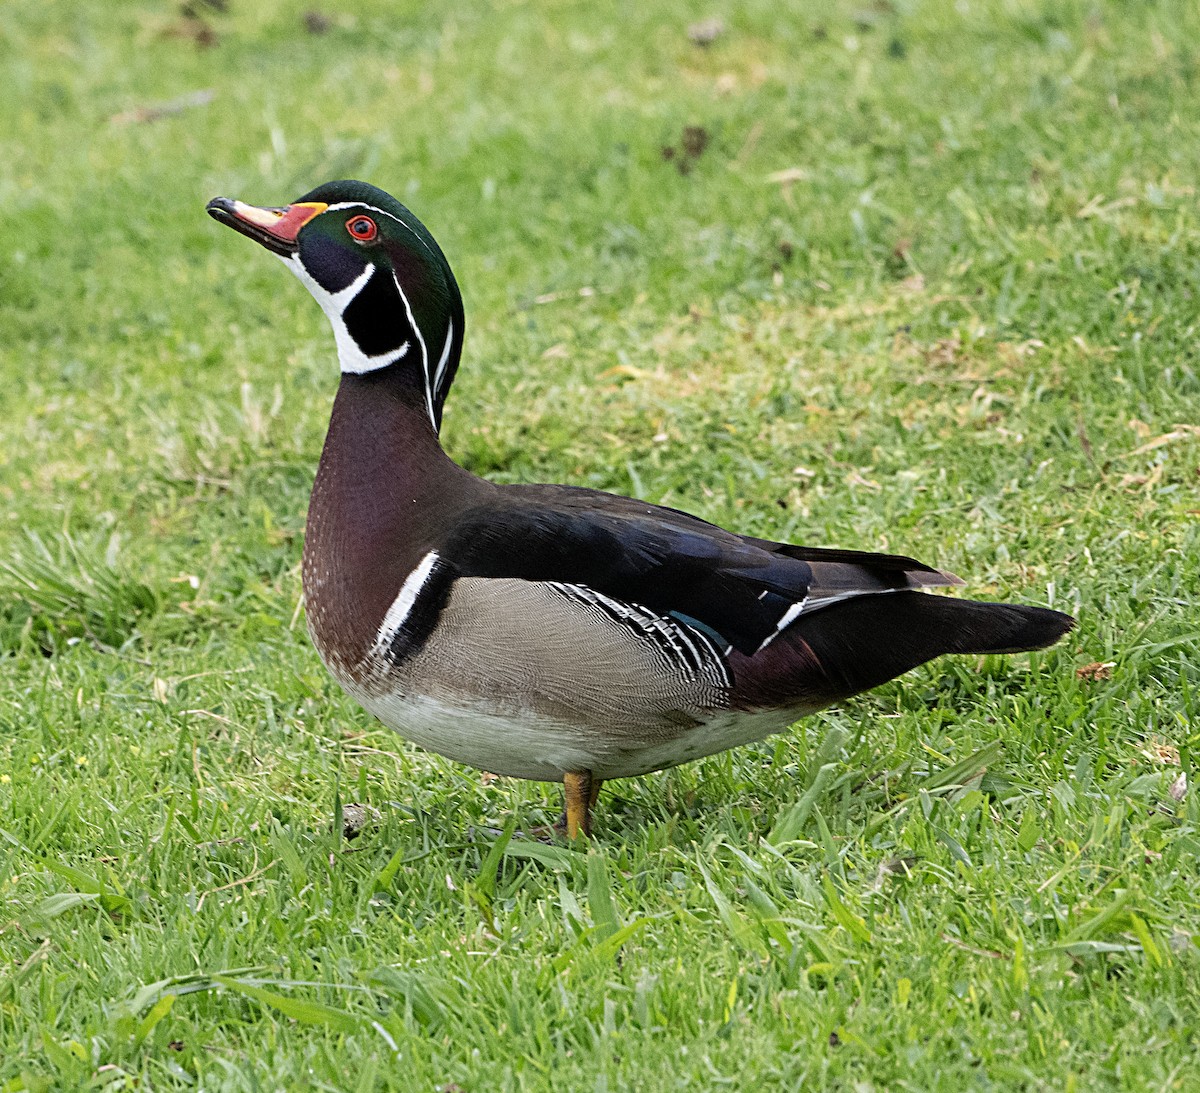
column 865, row 642
column 976, row 627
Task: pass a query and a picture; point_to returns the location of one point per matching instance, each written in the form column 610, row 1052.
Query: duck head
column 377, row 273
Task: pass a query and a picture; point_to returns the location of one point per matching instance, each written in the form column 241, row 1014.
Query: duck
column 553, row 632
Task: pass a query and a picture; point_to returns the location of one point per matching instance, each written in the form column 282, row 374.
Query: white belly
column 533, row 747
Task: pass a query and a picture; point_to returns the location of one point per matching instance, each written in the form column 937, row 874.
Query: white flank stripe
column 671, row 635
column 402, row 605
column 682, row 635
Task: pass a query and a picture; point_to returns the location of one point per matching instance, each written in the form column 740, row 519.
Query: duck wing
column 742, row 591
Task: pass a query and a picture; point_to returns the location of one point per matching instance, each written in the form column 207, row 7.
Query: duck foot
column 582, row 790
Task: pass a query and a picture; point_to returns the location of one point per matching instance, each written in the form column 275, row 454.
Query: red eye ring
column 362, row 228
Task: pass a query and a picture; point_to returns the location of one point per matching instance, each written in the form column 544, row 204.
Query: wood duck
column 545, row 631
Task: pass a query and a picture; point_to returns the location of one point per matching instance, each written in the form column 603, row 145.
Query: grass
column 930, row 286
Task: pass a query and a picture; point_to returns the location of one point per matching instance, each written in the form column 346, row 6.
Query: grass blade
column 854, row 925
column 552, row 857
column 965, row 769
column 790, row 825
column 113, row 902
column 420, row 999
column 157, row 1012
column 600, row 901
column 304, row 1010
column 740, row 929
column 485, row 883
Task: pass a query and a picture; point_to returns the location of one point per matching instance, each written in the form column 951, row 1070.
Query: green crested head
column 377, row 273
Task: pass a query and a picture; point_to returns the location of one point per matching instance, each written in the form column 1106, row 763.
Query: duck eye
column 362, row 228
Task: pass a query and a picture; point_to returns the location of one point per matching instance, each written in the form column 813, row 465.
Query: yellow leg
column 582, row 791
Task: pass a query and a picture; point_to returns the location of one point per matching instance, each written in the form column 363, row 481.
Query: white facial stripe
column 424, row 352
column 403, row 604
column 334, row 304
column 441, row 365
column 342, row 205
column 356, row 361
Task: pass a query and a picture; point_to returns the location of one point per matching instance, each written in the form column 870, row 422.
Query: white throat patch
column 334, row 304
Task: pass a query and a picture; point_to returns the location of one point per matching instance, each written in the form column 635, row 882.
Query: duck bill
column 275, row 228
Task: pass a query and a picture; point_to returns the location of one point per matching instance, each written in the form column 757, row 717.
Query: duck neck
column 382, row 493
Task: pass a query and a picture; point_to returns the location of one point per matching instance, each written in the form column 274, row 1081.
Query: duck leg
column 581, row 793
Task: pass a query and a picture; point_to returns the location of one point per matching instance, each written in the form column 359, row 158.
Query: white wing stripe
column 812, row 604
column 815, row 603
column 785, row 620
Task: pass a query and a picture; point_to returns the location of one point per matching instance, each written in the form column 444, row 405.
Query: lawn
column 920, row 277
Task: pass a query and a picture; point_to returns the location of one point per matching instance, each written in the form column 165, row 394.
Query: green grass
column 966, row 329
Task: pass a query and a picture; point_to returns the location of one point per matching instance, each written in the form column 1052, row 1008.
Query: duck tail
column 869, row 640
column 974, row 626
column 862, row 642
